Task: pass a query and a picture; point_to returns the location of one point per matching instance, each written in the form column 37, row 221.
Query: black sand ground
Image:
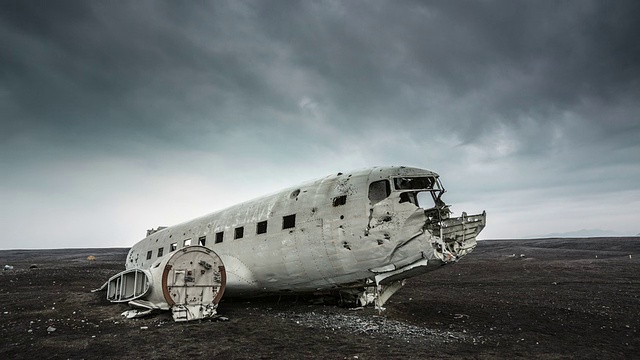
column 565, row 298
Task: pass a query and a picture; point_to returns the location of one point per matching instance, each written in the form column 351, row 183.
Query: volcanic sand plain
column 538, row 298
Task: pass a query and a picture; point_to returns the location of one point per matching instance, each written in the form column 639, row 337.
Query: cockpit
column 422, row 191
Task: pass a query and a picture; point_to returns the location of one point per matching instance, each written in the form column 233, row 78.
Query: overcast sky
column 119, row 116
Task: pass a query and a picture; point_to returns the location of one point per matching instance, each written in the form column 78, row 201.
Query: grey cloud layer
column 144, row 65
column 522, row 87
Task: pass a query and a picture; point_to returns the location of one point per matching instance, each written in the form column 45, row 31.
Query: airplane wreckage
column 358, row 235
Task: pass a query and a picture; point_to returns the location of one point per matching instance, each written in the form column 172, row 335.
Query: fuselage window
column 239, row 233
column 202, row 240
column 261, row 227
column 289, row 221
column 186, row 242
column 173, row 247
column 219, row 237
column 160, row 251
column 340, row 200
column 379, row 190
column 408, row 197
column 149, row 254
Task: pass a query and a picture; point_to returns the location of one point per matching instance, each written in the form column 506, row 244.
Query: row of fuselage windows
column 288, row 222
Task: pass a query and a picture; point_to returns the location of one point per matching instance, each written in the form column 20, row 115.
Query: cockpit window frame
column 377, row 189
column 434, row 186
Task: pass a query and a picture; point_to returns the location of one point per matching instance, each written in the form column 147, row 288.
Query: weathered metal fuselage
column 361, row 234
column 364, row 231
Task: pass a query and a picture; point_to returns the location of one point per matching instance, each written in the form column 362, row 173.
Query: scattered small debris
column 144, row 327
column 136, row 313
column 373, row 326
column 51, row 329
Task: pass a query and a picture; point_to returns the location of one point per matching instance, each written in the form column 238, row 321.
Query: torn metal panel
column 128, row 285
column 189, row 282
column 379, row 294
column 458, row 235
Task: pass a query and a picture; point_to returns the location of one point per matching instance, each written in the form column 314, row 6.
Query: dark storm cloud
column 532, row 59
column 518, row 95
column 124, row 71
column 72, row 66
column 135, row 67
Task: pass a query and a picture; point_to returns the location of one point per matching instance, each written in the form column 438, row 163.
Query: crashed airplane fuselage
column 359, row 233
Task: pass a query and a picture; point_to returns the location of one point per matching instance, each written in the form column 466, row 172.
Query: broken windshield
column 423, row 199
column 414, row 183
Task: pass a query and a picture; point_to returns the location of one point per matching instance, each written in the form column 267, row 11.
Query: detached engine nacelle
column 190, row 282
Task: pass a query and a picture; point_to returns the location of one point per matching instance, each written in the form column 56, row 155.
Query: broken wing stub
column 190, row 282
